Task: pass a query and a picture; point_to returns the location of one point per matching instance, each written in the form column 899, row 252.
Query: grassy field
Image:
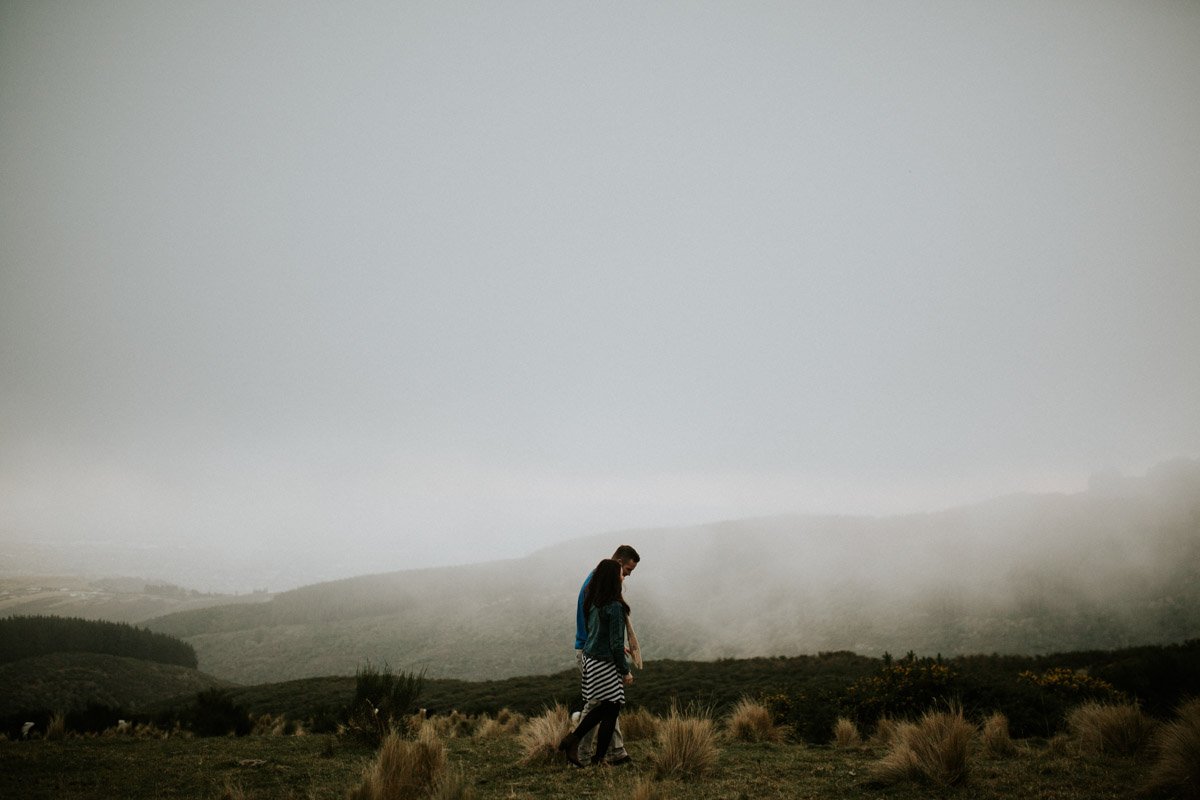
column 315, row 767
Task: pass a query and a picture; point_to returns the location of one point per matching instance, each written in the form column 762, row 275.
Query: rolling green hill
column 66, row 681
column 1115, row 566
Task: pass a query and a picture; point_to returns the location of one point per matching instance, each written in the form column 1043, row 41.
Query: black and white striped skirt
column 602, row 681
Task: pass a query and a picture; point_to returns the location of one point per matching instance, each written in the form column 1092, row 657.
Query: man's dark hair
column 625, row 552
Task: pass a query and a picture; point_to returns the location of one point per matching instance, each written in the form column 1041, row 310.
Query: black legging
column 605, row 715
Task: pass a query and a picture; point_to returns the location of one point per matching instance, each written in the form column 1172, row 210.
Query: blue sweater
column 580, row 619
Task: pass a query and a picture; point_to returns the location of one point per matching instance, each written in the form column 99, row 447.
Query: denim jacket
column 606, row 635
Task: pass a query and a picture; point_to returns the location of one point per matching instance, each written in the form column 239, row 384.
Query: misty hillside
column 1115, row 566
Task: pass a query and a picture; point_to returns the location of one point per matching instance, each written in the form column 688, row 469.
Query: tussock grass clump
column 539, row 737
column 644, row 788
column 1176, row 747
column 403, row 770
column 639, row 724
column 451, row 726
column 995, row 736
column 232, row 791
column 1059, row 746
column 1117, row 729
column 506, row 723
column 751, row 721
column 685, row 746
column 56, row 728
column 885, row 732
column 452, row 786
column 845, row 733
column 934, row 749
column 489, row 728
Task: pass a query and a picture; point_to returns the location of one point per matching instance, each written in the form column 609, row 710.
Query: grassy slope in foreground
column 292, row 766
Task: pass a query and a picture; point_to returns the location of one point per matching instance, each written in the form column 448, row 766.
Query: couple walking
column 601, row 621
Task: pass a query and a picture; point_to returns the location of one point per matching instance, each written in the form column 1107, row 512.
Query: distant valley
column 1115, row 566
column 131, row 600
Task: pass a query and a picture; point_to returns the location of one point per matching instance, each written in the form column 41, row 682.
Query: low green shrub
column 382, row 699
column 214, row 713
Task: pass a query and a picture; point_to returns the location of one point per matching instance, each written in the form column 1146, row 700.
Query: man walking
column 628, row 558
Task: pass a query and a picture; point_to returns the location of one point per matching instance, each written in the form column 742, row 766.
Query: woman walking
column 605, row 669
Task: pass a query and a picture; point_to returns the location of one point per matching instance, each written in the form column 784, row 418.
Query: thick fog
column 337, row 289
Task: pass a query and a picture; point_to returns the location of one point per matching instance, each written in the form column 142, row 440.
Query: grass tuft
column 1176, row 747
column 644, row 788
column 505, row 724
column 1059, row 746
column 452, row 786
column 403, row 770
column 935, row 750
column 885, row 732
column 56, row 728
column 751, row 721
column 845, row 733
column 232, row 791
column 686, row 746
column 639, row 725
column 539, row 737
column 1113, row 728
column 995, row 736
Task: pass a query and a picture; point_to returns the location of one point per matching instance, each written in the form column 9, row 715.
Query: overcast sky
column 438, row 282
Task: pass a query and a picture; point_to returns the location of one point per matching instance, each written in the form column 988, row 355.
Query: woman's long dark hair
column 605, row 586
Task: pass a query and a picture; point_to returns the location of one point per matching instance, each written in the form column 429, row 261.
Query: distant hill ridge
column 1115, row 566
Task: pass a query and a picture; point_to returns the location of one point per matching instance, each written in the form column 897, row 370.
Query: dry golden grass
column 885, row 732
column 489, row 728
column 685, row 746
column 644, row 788
column 751, row 721
column 1059, row 746
column 510, row 719
column 451, row 726
column 56, row 729
column 539, row 737
column 1176, row 748
column 1113, row 728
column 638, row 725
column 845, row 733
column 232, row 791
column 995, row 736
column 935, row 749
column 403, row 770
column 452, row 786
column 506, row 723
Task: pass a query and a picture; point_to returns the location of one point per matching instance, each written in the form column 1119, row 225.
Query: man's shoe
column 621, row 760
column 569, row 747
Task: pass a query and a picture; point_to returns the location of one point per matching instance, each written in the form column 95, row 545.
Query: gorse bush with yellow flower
column 1073, row 685
column 904, row 689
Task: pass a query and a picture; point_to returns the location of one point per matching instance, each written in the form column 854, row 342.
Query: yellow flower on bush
column 898, row 690
column 1071, row 683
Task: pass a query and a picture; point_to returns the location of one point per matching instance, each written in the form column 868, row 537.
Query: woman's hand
column 628, row 678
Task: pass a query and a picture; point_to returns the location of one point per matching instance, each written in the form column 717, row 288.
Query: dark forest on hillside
column 25, row 637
